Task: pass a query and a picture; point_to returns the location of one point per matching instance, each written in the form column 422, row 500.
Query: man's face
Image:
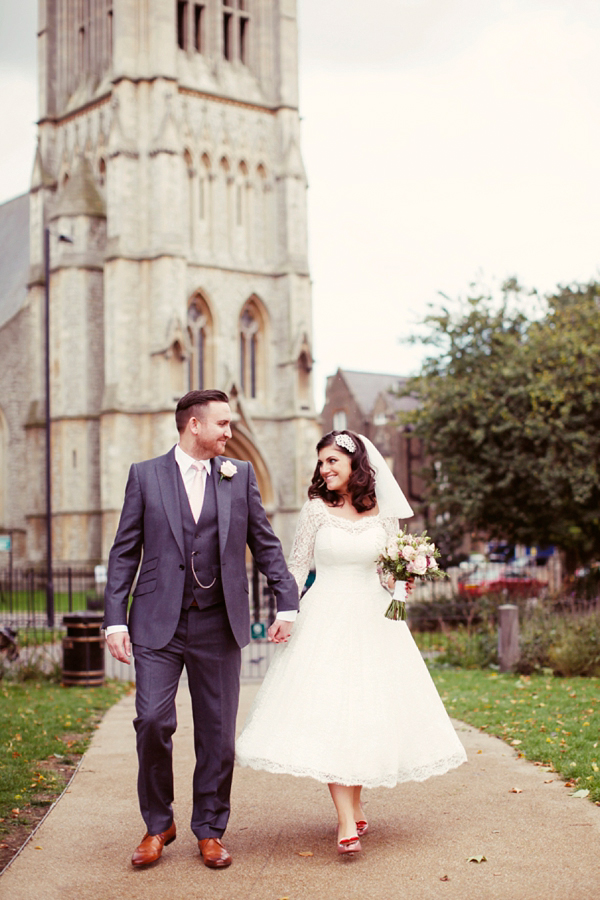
column 212, row 430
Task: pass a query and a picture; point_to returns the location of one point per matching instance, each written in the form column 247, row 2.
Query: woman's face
column 335, row 467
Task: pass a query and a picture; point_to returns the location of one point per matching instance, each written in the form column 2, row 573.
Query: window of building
column 182, row 15
column 251, row 348
column 199, row 27
column 200, row 333
column 191, row 27
column 340, row 420
column 236, row 27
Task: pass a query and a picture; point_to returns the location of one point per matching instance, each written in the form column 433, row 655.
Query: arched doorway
column 241, row 446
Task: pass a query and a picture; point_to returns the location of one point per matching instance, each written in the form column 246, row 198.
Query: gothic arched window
column 200, row 334
column 252, row 344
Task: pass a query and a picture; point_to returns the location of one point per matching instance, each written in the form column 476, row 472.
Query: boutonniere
column 227, row 470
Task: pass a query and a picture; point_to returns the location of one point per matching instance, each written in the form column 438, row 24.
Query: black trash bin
column 83, row 649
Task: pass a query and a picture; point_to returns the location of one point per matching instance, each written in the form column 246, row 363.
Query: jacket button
column 181, row 566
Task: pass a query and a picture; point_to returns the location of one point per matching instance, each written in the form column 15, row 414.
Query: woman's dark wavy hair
column 361, row 485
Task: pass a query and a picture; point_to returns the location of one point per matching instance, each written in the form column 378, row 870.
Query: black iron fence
column 24, row 600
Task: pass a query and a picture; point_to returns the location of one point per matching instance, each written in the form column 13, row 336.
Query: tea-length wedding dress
column 348, row 699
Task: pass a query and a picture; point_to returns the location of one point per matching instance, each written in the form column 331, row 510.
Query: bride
column 348, row 700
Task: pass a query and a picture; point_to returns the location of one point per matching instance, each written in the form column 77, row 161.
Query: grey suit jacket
column 151, row 530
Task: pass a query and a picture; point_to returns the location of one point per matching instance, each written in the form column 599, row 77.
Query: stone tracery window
column 252, row 344
column 200, row 335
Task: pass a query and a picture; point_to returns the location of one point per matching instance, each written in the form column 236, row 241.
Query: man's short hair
column 193, row 402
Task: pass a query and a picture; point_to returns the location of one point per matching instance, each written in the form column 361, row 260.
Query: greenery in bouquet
column 408, row 557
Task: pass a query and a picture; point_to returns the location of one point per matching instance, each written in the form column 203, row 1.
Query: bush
column 476, row 650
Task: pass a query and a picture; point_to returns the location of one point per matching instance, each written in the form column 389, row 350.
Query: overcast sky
column 446, row 142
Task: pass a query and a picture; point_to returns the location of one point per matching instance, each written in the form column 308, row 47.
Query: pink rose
column 392, row 550
column 418, row 566
column 409, row 552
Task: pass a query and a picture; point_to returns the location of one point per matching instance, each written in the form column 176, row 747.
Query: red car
column 506, row 582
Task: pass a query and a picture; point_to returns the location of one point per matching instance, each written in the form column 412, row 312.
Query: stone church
column 169, row 174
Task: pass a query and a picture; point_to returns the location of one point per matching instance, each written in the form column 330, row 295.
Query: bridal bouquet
column 406, row 557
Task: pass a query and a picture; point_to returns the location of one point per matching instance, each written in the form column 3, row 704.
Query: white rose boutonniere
column 227, row 470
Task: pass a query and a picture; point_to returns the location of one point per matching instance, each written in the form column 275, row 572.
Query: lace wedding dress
column 348, row 699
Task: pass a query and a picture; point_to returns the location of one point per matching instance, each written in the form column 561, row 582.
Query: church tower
column 169, row 157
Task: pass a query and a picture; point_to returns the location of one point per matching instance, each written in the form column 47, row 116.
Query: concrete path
column 540, row 844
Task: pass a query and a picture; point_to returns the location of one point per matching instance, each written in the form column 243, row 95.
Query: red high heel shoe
column 362, row 827
column 350, row 846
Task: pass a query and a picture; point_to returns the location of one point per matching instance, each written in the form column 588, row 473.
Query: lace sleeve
column 391, row 528
column 304, row 543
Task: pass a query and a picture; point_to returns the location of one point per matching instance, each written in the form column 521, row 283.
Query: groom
column 188, row 516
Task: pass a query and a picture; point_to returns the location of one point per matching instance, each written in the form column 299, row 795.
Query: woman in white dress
column 348, row 700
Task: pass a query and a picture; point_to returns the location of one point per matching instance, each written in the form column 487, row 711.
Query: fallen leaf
column 548, row 780
column 479, row 751
column 516, row 742
column 306, row 853
column 445, row 877
column 581, row 793
column 476, row 859
column 515, row 791
column 39, row 848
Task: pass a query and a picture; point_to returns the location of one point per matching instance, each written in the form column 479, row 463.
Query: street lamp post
column 49, row 575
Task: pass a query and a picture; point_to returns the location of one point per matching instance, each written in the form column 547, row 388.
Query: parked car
column 503, row 581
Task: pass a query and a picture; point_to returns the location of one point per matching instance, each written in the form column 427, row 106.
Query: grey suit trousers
column 203, row 642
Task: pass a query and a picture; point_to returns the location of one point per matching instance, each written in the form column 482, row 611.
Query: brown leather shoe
column 214, row 854
column 151, row 848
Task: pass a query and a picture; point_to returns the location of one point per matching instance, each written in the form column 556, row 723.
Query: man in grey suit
column 188, row 516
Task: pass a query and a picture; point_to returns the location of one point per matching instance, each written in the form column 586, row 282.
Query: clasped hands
column 119, row 642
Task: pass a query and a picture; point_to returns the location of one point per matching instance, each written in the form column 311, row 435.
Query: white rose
column 392, row 550
column 432, row 562
column 227, row 469
column 418, row 565
column 409, row 552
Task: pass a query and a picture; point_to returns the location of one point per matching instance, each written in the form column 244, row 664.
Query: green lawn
column 546, row 719
column 44, row 727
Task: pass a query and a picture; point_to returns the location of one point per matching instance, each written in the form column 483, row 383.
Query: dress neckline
column 351, row 523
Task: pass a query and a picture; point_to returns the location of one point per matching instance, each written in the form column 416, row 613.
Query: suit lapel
column 167, row 474
column 223, row 491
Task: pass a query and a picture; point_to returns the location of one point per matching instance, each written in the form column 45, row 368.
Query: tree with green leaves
column 510, row 418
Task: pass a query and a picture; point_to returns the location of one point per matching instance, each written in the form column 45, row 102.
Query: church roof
column 14, row 256
column 366, row 387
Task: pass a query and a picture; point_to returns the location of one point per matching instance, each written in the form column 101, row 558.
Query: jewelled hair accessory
column 345, row 441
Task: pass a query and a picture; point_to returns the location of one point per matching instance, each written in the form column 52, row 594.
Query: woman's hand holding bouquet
column 407, row 557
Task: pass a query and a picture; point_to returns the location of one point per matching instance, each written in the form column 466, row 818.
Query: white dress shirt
column 188, row 467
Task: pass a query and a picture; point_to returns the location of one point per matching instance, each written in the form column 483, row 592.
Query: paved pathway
column 540, row 844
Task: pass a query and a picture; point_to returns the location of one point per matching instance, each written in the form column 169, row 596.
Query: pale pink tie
column 196, row 494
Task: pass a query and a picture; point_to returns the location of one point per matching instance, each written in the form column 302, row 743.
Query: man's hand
column 279, row 631
column 120, row 646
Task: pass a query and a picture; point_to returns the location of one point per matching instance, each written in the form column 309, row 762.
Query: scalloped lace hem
column 422, row 773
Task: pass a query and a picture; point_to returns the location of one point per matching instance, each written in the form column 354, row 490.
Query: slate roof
column 14, row 256
column 367, row 386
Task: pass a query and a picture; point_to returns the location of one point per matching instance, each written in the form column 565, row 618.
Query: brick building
column 364, row 402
